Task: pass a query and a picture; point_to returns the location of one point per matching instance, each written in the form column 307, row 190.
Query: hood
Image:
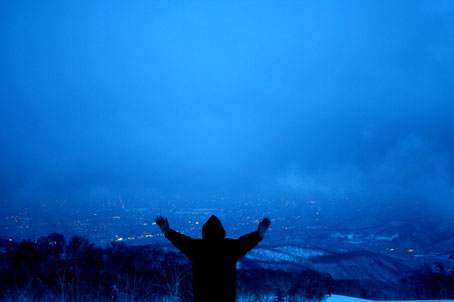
column 213, row 229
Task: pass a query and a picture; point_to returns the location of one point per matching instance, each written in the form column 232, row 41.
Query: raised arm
column 180, row 241
column 263, row 226
column 247, row 242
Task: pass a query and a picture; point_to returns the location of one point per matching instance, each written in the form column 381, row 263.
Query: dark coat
column 214, row 259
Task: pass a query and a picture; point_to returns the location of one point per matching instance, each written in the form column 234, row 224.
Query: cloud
column 413, row 170
column 308, row 98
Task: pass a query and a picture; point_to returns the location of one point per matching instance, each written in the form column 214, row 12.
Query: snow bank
column 337, row 298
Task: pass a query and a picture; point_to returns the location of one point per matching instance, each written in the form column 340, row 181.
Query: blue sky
column 314, row 99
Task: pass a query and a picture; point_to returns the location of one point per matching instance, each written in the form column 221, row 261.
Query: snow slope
column 346, row 265
column 337, row 298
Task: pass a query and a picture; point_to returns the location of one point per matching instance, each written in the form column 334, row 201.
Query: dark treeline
column 430, row 282
column 53, row 268
column 258, row 284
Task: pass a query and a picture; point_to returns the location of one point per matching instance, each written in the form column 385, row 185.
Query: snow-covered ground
column 284, row 253
column 337, row 298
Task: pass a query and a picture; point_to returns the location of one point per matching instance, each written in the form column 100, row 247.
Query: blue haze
column 325, row 100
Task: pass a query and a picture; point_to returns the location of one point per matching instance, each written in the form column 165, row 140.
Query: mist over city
column 333, row 119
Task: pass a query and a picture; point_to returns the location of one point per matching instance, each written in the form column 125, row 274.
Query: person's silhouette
column 214, row 257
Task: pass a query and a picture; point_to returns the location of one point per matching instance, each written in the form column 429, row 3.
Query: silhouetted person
column 214, row 257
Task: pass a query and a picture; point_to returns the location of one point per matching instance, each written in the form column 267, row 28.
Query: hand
column 263, row 226
column 162, row 223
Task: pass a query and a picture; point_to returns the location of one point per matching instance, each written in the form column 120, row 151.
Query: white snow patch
column 269, row 255
column 283, row 253
column 299, row 251
column 338, row 298
column 390, row 238
column 337, row 235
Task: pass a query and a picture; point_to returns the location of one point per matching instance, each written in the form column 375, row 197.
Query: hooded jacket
column 213, row 259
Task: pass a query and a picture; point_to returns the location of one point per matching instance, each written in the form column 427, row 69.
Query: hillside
column 337, row 298
column 348, row 265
